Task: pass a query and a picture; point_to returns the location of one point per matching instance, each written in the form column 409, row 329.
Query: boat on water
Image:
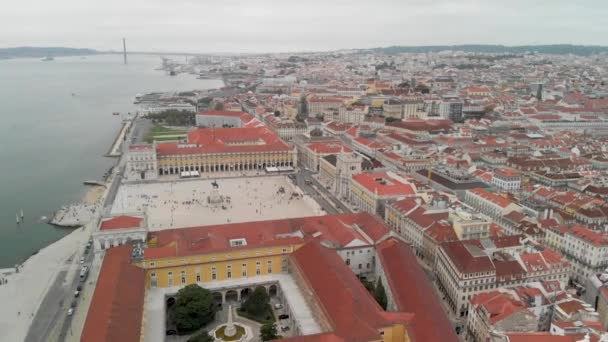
column 17, row 216
column 21, row 214
column 48, row 59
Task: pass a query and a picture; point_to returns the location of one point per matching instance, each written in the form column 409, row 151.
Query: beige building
column 141, row 162
column 370, row 191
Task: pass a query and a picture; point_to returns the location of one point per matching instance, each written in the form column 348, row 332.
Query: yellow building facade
column 204, row 268
column 221, row 162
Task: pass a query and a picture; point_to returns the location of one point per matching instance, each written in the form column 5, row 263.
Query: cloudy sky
column 304, row 25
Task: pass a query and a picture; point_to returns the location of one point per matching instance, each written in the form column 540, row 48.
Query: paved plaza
column 204, row 202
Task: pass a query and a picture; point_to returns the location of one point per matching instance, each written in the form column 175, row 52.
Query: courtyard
column 187, row 203
column 282, row 289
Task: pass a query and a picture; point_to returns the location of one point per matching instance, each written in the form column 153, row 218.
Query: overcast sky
column 303, row 25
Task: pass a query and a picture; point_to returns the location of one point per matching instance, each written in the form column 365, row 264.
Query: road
column 326, row 200
column 52, row 313
column 456, row 321
column 140, row 127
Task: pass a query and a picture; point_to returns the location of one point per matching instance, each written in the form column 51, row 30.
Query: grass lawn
column 240, row 331
column 160, row 133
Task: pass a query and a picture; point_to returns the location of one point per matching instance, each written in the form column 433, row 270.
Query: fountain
column 232, row 331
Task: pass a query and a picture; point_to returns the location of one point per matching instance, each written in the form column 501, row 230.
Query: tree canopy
column 193, row 309
column 257, row 303
column 202, row 336
column 380, row 294
column 174, row 117
column 268, row 332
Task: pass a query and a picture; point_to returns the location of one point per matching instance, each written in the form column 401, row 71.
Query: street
column 326, row 200
column 52, row 312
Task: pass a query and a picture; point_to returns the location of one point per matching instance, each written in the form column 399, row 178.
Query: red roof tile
column 491, row 197
column 115, row 313
column 224, row 140
column 413, row 292
column 121, row 222
column 339, row 229
column 460, row 252
column 351, row 310
column 383, row 184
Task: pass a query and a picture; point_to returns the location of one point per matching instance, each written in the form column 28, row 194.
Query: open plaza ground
column 187, row 203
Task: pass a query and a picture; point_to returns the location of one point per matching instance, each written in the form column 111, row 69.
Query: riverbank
column 120, row 138
column 51, row 267
column 27, row 284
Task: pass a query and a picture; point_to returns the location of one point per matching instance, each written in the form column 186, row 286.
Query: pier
column 115, row 150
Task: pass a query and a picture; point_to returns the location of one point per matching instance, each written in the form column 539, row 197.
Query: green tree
column 268, row 332
column 257, row 303
column 193, row 309
column 380, row 294
column 316, row 133
column 202, row 336
column 277, row 113
column 174, row 117
column 422, row 89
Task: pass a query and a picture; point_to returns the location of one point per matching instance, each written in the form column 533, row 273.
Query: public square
column 187, row 203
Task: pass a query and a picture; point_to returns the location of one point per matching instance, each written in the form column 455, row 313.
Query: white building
column 119, row 230
column 506, row 179
column 141, row 163
column 489, row 203
column 187, row 107
column 586, row 250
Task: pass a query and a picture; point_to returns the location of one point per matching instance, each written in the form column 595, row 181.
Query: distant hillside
column 39, row 52
column 561, row 49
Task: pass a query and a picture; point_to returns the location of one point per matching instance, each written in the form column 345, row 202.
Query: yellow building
column 314, row 251
column 225, row 149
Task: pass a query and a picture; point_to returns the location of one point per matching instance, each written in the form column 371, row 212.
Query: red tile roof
column 501, row 201
column 460, row 254
column 115, row 313
column 590, row 236
column 225, row 140
column 350, row 309
column 422, row 125
column 338, row 229
column 329, row 147
column 498, row 305
column 390, row 187
column 412, row 292
column 121, row 222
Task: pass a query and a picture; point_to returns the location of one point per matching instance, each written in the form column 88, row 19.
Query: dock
column 115, row 150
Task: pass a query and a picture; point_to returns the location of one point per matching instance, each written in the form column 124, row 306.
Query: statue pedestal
column 230, row 329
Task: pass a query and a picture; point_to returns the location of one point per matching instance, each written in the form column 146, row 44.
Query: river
column 56, row 125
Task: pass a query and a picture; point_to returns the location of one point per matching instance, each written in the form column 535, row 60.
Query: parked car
column 82, row 260
column 76, row 294
column 70, row 311
column 79, row 288
column 278, row 306
column 284, row 328
column 284, row 316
